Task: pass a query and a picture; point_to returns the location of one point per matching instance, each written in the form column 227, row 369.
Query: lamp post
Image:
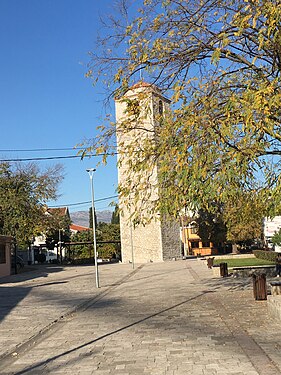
column 131, row 234
column 91, row 174
column 16, row 246
column 60, row 247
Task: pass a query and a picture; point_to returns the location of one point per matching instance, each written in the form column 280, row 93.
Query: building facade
column 5, row 255
column 193, row 244
column 270, row 227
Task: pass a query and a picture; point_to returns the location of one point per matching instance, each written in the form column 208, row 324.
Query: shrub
column 266, row 255
column 83, row 261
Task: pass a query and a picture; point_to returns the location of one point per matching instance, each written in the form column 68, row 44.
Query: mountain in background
column 82, row 217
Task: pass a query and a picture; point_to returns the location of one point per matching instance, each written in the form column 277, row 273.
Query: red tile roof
column 79, row 228
column 62, row 211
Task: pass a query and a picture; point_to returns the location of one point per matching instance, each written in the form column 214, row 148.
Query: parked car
column 20, row 262
column 51, row 256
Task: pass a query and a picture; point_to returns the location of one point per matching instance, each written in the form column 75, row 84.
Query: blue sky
column 45, row 100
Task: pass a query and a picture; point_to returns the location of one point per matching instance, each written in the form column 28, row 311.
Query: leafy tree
column 108, row 232
column 83, row 250
column 57, row 230
column 220, row 62
column 24, row 191
column 244, row 218
column 104, row 232
column 211, row 226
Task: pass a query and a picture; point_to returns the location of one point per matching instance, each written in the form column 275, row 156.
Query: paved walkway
column 169, row 318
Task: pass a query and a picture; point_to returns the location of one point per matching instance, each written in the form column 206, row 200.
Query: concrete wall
column 5, row 248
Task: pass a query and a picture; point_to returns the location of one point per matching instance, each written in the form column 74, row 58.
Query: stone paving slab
column 168, row 318
column 31, row 301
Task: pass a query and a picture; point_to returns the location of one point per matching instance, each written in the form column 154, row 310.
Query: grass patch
column 243, row 262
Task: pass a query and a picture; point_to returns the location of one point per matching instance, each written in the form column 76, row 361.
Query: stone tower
column 158, row 240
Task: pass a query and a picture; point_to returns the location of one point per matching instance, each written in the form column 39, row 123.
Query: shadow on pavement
column 12, row 295
column 30, row 273
column 35, row 368
column 228, row 283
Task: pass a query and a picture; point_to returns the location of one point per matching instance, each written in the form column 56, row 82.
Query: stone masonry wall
column 171, row 243
column 156, row 241
column 146, row 242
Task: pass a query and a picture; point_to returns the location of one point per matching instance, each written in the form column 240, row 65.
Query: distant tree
column 115, row 219
column 211, row 226
column 55, row 235
column 276, row 239
column 91, row 218
column 57, row 224
column 24, row 190
column 83, row 250
column 244, row 218
column 104, row 232
column 108, row 232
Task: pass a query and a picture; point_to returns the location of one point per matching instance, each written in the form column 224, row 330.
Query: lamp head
column 91, row 172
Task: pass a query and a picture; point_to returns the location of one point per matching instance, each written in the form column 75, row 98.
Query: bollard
column 210, row 262
column 259, row 287
column 223, row 270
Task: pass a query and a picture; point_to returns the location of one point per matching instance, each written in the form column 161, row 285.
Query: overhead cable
column 56, row 157
column 43, row 149
column 86, row 202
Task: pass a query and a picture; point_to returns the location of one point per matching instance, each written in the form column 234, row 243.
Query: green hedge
column 83, row 261
column 266, row 255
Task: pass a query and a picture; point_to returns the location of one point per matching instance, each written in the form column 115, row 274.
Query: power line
column 44, row 158
column 57, row 157
column 43, row 149
column 86, row 202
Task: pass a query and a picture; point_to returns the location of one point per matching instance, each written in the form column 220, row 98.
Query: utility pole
column 132, row 244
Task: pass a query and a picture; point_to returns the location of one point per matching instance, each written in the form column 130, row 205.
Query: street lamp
column 91, row 174
column 16, row 246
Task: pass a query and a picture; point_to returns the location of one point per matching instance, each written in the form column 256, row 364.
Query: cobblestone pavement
column 169, row 318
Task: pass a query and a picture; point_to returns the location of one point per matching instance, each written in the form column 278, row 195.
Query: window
column 195, row 244
column 205, row 244
column 194, row 230
column 2, row 253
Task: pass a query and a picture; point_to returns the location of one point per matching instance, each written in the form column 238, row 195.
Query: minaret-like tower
column 159, row 239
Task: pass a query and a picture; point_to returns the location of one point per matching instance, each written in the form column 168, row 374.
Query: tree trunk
column 234, row 249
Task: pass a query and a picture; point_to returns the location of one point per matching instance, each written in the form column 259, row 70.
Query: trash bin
column 223, row 270
column 259, row 287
